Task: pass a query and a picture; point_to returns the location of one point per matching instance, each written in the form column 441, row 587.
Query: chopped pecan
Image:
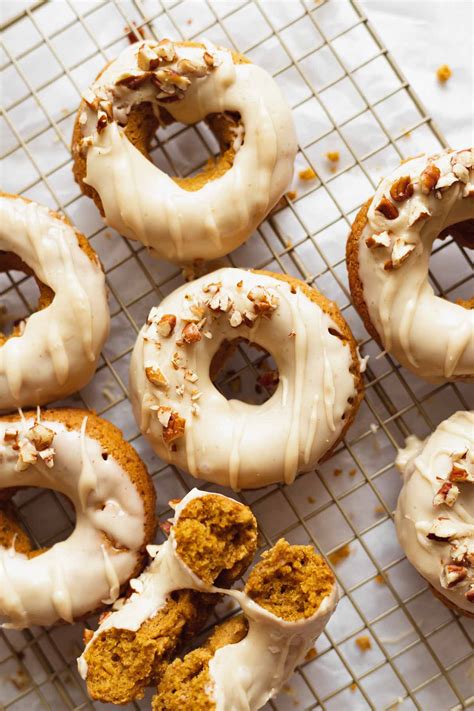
column 166, row 325
column 461, row 172
column 209, row 59
column 175, row 428
column 166, row 50
column 186, row 66
column 452, row 575
column 264, row 303
column 402, row 189
column 147, row 59
column 235, row 319
column 387, row 208
column 10, row 436
column 400, row 253
column 47, row 455
column 191, row 333
column 447, row 494
column 133, row 79
column 102, row 121
column 221, row 301
column 41, row 436
column 156, row 377
column 378, row 239
column 164, row 415
column 442, row 530
column 429, row 178
column 461, row 552
column 460, row 474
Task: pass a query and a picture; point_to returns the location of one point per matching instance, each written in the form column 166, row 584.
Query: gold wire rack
column 347, row 95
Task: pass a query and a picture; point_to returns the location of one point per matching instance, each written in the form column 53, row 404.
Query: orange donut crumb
column 307, row 174
column 443, row 73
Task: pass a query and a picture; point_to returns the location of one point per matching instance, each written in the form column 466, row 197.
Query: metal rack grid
column 421, row 652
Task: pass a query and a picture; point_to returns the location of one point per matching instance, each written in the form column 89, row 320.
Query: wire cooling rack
column 347, row 95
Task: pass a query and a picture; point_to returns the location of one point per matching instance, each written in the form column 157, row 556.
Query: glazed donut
column 85, row 458
column 435, row 510
column 212, row 540
column 57, row 350
column 190, row 424
column 288, row 600
column 388, row 254
column 153, row 83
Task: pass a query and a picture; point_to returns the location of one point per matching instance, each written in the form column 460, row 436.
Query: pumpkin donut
column 288, row 600
column 229, row 442
column 86, row 459
column 212, row 541
column 153, row 83
column 56, row 349
column 388, row 254
column 435, row 510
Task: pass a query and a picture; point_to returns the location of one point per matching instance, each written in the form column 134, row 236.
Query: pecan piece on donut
column 452, row 575
column 191, row 333
column 387, row 208
column 175, row 428
column 166, row 50
column 164, row 415
column 447, row 494
column 10, row 436
column 186, row 66
column 40, row 436
column 461, row 172
column 156, row 377
column 429, row 178
column 166, row 325
column 442, row 530
column 209, row 59
column 264, row 303
column 378, row 239
column 402, row 189
column 133, row 79
column 235, row 319
column 400, row 253
column 147, row 58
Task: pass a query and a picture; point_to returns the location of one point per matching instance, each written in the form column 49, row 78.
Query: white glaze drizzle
column 145, row 204
column 165, row 574
column 75, row 575
column 59, row 348
column 425, row 467
column 401, row 303
column 228, row 441
column 88, row 477
column 244, row 676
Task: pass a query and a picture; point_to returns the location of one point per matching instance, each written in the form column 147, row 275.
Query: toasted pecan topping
column 387, row 208
column 175, row 428
column 429, row 178
column 402, row 189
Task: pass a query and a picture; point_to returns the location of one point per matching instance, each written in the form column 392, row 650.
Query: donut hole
column 192, row 155
column 21, row 295
column 244, row 371
column 452, row 278
column 34, row 519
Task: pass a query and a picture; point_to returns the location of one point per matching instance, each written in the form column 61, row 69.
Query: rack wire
column 347, row 95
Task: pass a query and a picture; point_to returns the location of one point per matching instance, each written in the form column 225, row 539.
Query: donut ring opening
column 463, row 234
column 230, row 386
column 14, row 534
column 142, row 125
column 11, row 262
